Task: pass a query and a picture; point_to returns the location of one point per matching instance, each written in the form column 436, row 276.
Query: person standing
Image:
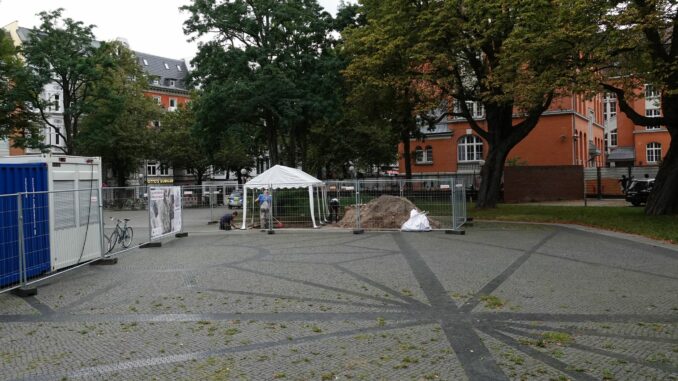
column 265, row 202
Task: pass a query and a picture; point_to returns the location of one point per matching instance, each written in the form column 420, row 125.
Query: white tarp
column 418, row 222
column 281, row 177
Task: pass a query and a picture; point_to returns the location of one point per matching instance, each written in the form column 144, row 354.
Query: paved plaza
column 504, row 301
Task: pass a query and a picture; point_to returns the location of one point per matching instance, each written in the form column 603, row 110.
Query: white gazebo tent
column 281, row 177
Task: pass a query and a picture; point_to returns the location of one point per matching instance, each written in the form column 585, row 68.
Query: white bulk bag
column 417, row 223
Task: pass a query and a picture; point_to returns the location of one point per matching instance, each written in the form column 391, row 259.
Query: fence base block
column 106, row 261
column 212, row 222
column 358, row 231
column 456, row 232
column 181, row 235
column 24, row 292
column 150, row 244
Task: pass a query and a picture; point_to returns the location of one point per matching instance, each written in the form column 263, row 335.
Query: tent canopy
column 280, row 176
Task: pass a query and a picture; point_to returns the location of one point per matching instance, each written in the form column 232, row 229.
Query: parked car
column 235, row 200
column 638, row 191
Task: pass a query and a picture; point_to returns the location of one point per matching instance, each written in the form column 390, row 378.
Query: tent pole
column 310, row 195
column 320, row 211
column 244, row 208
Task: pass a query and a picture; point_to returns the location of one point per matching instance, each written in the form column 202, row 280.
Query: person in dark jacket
column 226, row 221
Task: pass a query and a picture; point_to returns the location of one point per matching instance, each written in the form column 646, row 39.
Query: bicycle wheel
column 111, row 241
column 127, row 237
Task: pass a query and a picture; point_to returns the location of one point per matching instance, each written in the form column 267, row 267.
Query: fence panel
column 125, row 207
column 11, row 244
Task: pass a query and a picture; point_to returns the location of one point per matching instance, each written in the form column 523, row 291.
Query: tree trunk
column 272, row 136
column 491, row 177
column 407, row 153
column 664, row 196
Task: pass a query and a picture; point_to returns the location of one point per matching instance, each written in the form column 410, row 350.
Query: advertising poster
column 165, row 210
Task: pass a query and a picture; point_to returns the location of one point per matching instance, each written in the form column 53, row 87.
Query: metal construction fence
column 42, row 233
column 604, row 181
column 47, row 233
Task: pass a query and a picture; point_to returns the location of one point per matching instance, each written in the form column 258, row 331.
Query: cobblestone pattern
column 517, row 302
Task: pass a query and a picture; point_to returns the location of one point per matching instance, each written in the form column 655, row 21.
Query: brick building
column 571, row 132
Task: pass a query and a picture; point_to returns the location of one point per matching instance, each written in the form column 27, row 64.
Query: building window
column 179, row 67
column 156, row 81
column 164, row 169
column 653, row 113
column 166, row 66
column 476, row 109
column 145, row 62
column 424, row 156
column 157, row 100
column 609, row 106
column 613, row 138
column 172, row 83
column 57, row 135
column 172, row 104
column 651, row 92
column 151, row 168
column 156, row 123
column 56, row 102
column 470, row 148
column 653, row 152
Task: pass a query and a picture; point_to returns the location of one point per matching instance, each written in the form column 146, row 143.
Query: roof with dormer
column 163, row 71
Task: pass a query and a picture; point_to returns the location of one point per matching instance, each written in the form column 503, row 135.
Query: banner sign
column 165, row 210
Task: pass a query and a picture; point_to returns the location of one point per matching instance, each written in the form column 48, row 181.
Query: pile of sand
column 385, row 212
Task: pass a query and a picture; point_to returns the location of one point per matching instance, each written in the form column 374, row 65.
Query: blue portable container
column 21, row 178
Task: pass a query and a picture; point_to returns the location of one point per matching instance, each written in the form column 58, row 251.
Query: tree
column 176, row 143
column 258, row 69
column 17, row 120
column 117, row 126
column 383, row 91
column 514, row 57
column 70, row 57
column 639, row 45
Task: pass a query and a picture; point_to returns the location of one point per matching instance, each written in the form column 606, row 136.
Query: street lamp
column 243, row 175
column 354, row 173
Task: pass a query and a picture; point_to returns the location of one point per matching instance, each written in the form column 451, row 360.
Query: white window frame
column 653, row 152
column 172, row 104
column 157, row 99
column 424, row 155
column 613, row 138
column 151, row 168
column 469, row 149
column 172, row 82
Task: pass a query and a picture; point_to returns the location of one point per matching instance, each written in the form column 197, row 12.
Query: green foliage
column 17, row 120
column 64, row 52
column 116, row 126
column 268, row 69
column 383, row 94
column 175, row 143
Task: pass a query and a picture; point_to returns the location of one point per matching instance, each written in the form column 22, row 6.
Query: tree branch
column 629, row 111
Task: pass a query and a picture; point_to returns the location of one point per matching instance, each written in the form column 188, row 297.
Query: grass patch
column 557, row 338
column 492, row 302
column 622, row 219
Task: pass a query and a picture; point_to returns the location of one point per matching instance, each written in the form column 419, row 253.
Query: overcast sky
column 150, row 26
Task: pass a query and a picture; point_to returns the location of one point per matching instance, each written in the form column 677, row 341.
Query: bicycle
column 121, row 234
